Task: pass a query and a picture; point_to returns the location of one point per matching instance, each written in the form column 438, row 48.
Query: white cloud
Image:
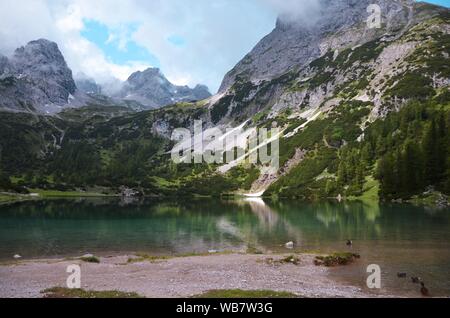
column 22, row 21
column 302, row 11
column 216, row 34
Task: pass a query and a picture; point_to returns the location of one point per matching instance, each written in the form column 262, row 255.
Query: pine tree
column 443, row 147
column 413, row 172
column 386, row 176
column 381, row 146
column 5, row 182
column 367, row 154
column 360, row 178
column 342, row 179
column 430, row 150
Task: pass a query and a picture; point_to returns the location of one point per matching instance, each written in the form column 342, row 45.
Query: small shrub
column 336, row 259
column 90, row 259
column 291, row 259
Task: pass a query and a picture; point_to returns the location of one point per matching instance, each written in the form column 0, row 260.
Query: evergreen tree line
column 408, row 152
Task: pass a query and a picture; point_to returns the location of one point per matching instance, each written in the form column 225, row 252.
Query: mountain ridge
column 36, row 78
column 300, row 44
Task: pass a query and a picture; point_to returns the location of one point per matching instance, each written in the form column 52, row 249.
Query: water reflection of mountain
column 361, row 220
column 269, row 219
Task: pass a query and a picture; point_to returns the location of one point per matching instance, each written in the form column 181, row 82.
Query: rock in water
column 290, row 245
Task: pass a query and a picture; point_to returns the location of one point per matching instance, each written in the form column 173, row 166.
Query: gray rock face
column 42, row 62
column 36, row 78
column 292, row 44
column 153, row 90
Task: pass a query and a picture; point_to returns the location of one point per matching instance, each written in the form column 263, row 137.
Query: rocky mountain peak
column 153, row 90
column 36, row 79
column 149, row 76
column 201, row 91
column 331, row 25
column 42, row 61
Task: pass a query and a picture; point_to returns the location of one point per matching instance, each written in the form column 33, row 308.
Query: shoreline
column 7, row 198
column 179, row 277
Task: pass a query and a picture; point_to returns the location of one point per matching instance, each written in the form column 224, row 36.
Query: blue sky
column 115, row 51
column 191, row 41
column 441, row 2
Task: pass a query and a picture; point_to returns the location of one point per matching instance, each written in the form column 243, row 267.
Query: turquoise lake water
column 399, row 238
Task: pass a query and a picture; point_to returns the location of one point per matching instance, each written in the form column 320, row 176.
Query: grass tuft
column 147, row 258
column 60, row 292
column 152, row 258
column 238, row 293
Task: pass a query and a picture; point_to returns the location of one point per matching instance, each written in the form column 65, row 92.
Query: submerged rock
column 290, row 245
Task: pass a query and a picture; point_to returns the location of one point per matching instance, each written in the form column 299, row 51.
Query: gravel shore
column 177, row 277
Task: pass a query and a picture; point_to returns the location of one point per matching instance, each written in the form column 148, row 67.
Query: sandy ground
column 177, row 277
